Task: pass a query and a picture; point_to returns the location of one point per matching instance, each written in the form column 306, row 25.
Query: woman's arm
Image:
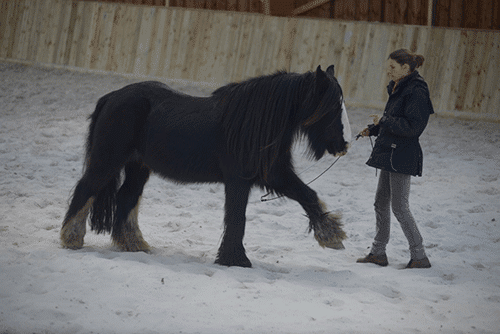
column 416, row 115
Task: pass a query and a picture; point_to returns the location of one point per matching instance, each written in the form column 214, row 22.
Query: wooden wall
column 468, row 14
column 138, row 2
column 462, row 66
column 249, row 6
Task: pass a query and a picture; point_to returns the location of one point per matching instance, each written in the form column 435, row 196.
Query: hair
column 404, row 56
column 260, row 116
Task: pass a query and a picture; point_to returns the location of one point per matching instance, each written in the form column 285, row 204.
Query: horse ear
column 322, row 81
column 331, row 70
column 319, row 72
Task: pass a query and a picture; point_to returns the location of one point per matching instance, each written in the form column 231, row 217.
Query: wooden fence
column 462, row 67
column 468, row 14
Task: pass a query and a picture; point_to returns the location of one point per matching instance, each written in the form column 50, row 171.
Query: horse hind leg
column 126, row 233
column 74, row 225
column 111, row 142
column 95, row 194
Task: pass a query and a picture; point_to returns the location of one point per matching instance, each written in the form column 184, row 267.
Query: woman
column 397, row 153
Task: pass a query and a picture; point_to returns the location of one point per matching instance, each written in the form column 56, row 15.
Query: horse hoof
column 71, row 241
column 334, row 245
column 245, row 263
column 141, row 246
column 71, row 246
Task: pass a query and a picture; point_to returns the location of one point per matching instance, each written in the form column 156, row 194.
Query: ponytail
column 418, row 60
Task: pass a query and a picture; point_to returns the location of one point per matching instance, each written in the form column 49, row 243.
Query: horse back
column 178, row 136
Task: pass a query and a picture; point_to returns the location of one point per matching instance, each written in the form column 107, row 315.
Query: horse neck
column 304, row 99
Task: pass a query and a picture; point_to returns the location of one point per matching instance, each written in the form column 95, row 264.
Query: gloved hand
column 376, row 118
column 364, row 133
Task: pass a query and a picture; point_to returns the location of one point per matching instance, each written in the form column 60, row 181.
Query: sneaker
column 419, row 264
column 380, row 260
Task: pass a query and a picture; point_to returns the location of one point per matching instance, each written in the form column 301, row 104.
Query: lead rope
column 264, row 199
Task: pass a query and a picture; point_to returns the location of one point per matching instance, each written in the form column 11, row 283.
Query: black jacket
column 406, row 114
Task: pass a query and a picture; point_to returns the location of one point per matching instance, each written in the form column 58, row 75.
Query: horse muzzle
column 337, row 153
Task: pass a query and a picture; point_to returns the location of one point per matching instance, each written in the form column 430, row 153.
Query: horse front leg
column 327, row 226
column 231, row 251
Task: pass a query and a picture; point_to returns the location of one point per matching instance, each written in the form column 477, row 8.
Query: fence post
column 430, row 10
column 267, row 6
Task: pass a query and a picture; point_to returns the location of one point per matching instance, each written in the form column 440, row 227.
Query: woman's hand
column 376, row 118
column 368, row 130
column 364, row 133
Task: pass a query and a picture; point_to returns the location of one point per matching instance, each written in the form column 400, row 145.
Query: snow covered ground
column 294, row 287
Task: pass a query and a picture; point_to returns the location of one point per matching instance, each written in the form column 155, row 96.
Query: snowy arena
column 295, row 286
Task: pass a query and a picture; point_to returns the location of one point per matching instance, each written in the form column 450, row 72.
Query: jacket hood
column 413, row 78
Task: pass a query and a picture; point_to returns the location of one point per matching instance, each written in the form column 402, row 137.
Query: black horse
column 241, row 136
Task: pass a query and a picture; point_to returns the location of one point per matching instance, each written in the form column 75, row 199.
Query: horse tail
column 111, row 144
column 93, row 120
column 103, row 209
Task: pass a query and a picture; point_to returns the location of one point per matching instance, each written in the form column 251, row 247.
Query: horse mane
column 257, row 117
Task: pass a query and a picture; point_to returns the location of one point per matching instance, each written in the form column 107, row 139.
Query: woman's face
column 395, row 71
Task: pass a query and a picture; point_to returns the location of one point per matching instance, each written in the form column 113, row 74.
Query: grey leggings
column 394, row 189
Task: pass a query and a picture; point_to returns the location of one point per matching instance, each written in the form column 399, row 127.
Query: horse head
column 327, row 128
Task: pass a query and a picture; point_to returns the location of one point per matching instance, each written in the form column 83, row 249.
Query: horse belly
column 186, row 151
